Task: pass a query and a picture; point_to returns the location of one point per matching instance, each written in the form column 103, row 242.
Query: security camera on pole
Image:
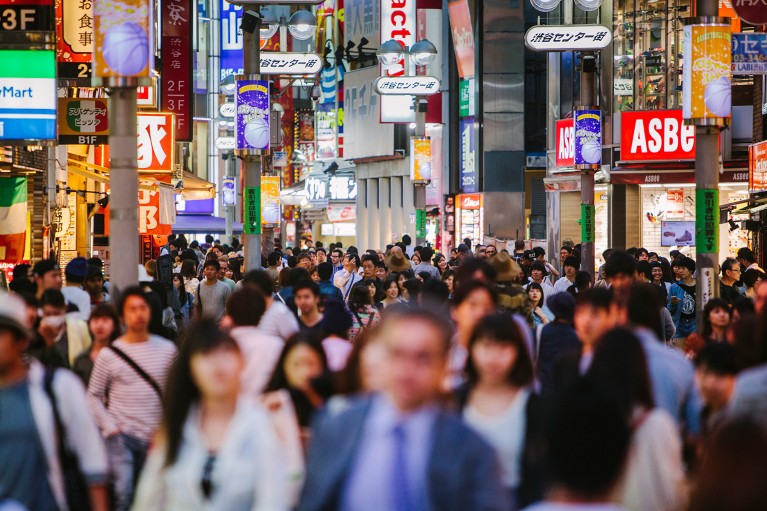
column 253, row 110
column 587, row 117
column 422, row 53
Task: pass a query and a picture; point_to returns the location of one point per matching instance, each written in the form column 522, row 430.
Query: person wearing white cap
column 39, row 406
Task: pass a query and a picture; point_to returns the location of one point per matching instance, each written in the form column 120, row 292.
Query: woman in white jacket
column 215, row 451
column 654, row 479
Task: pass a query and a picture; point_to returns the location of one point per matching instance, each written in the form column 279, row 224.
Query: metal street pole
column 706, row 191
column 123, row 180
column 230, row 162
column 419, row 190
column 252, row 158
column 588, row 66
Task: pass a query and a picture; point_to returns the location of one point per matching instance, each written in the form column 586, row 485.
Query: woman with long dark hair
column 654, row 476
column 497, row 401
column 214, row 450
column 104, row 327
column 364, row 313
column 717, row 315
column 189, row 274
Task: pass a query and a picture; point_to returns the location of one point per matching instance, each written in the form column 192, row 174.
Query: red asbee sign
column 176, row 87
column 656, row 135
column 565, row 155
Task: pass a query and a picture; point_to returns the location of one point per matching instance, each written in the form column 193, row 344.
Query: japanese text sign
column 74, row 39
column 149, row 211
column 675, row 204
column 588, row 138
column 749, row 53
column 753, row 11
column 23, row 15
column 83, row 121
column 252, row 103
column 463, row 36
column 177, row 64
column 468, row 154
column 155, row 142
column 707, row 94
column 656, row 135
column 707, row 220
column 251, row 215
column 275, row 63
column 565, row 155
column 420, row 159
column 407, row 85
column 567, row 38
column 757, row 167
column 124, row 38
column 587, row 223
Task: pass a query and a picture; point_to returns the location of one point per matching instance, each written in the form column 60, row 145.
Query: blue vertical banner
column 231, row 39
column 588, row 138
column 252, row 105
column 467, row 140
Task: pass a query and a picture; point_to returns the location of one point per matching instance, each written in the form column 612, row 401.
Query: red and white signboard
column 463, row 36
column 657, row 135
column 177, row 19
column 675, row 204
column 565, row 156
column 398, row 23
column 757, row 167
column 471, row 201
column 149, row 211
column 155, row 142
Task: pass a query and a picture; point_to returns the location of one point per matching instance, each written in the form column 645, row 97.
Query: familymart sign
column 27, row 95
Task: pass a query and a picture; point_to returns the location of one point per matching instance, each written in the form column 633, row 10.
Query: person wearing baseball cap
column 76, row 272
column 33, row 401
column 47, row 275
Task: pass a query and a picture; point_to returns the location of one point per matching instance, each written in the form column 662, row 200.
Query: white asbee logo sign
column 290, row 63
column 567, row 38
column 407, row 85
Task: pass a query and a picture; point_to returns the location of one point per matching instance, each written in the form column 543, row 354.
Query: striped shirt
column 134, row 406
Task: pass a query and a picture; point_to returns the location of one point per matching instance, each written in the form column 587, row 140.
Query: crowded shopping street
column 383, row 255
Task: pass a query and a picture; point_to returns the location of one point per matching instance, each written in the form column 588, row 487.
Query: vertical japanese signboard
column 155, row 143
column 251, row 215
column 231, row 39
column 463, row 36
column 467, row 151
column 707, row 220
column 177, row 64
column 588, row 138
column 149, row 209
column 252, row 107
column 398, row 22
column 587, row 223
column 74, row 40
column 707, row 94
column 757, row 167
column 124, row 38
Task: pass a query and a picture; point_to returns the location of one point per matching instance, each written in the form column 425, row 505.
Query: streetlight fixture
column 390, row 52
column 302, row 25
column 269, row 25
column 588, row 5
column 227, row 85
column 423, row 52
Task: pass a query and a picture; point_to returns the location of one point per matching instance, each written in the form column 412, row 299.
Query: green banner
column 251, row 222
column 707, row 221
column 420, row 223
column 587, row 223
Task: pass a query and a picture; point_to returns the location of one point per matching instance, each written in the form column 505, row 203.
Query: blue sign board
column 749, row 53
column 467, row 140
column 252, row 107
column 588, row 137
column 231, row 39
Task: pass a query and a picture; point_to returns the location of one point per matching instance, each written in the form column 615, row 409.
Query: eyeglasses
column 736, row 270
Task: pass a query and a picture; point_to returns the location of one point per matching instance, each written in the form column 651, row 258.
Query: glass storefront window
column 648, row 54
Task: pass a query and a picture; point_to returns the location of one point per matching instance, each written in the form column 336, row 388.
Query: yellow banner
column 707, row 87
column 270, row 200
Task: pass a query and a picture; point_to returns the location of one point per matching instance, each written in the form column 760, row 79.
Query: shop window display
column 647, row 67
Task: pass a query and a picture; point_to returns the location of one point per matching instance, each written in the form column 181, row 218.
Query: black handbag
column 75, row 485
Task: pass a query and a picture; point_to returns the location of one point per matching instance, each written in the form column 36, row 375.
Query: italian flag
column 13, row 218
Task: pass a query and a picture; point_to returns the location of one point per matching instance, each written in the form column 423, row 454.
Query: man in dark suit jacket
column 399, row 450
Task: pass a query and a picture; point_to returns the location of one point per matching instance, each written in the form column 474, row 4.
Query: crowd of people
column 400, row 379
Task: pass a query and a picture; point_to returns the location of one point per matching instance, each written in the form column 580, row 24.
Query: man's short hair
column 422, row 314
column 519, row 244
column 642, row 304
column 353, row 250
column 747, row 254
column 274, row 258
column 246, row 306
column 644, row 268
column 303, row 256
column 728, row 264
column 539, row 251
column 325, row 270
column 260, row 280
column 620, row 263
column 306, row 284
column 368, row 257
column 427, row 253
column 718, row 358
column 53, row 298
column 321, row 249
column 595, row 297
column 129, row 292
column 567, row 248
column 406, row 239
column 212, row 262
column 572, row 261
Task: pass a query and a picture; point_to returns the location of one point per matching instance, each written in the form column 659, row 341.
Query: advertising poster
column 74, row 40
column 707, row 70
column 677, row 234
column 252, row 103
column 675, row 204
column 420, row 159
column 27, row 95
column 124, row 38
column 467, row 151
column 588, row 138
column 757, row 167
column 270, row 200
column 463, row 36
column 83, row 121
column 228, row 192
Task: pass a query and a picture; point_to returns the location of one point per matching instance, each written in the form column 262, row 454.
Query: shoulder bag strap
column 132, row 363
column 199, row 299
column 359, row 320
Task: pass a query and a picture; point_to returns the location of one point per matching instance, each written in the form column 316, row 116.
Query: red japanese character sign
column 155, row 142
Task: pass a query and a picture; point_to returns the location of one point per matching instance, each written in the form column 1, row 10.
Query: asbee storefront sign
column 27, row 95
column 656, row 135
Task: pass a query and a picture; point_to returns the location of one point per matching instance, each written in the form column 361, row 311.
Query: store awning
column 196, row 188
column 203, row 224
column 682, row 172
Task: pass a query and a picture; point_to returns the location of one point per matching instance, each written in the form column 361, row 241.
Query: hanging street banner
column 707, row 57
column 74, row 40
column 155, row 143
column 270, row 201
column 176, row 89
column 83, row 121
column 420, row 160
column 757, row 167
column 568, row 38
column 251, row 215
column 707, row 220
column 124, row 38
column 26, row 15
column 749, row 53
column 28, row 95
column 588, row 139
column 277, row 63
column 252, row 100
column 463, row 36
column 407, row 85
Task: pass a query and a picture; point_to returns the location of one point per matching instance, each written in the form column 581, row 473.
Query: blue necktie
column 403, row 499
